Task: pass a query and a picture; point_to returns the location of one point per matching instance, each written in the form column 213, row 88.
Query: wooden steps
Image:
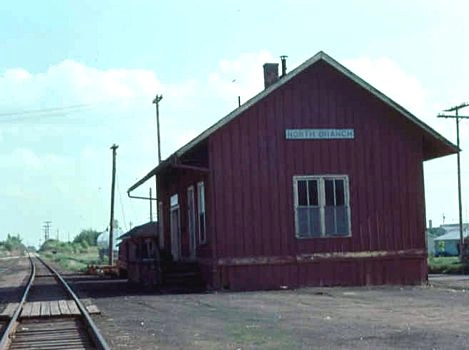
column 182, row 275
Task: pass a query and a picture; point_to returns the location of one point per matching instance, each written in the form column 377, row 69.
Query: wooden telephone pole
column 156, row 101
column 457, row 117
column 111, row 224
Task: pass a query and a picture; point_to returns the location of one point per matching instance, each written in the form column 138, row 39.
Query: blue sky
column 78, row 76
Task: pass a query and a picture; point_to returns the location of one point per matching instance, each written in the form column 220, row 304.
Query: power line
column 47, row 110
column 457, row 117
column 60, row 111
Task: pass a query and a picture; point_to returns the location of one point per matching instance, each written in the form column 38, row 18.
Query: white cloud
column 242, row 76
column 20, row 158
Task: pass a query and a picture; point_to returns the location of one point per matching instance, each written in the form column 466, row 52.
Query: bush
column 448, row 265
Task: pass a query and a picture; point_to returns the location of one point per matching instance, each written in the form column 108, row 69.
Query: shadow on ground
column 102, row 287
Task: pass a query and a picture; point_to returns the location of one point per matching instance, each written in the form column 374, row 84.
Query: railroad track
column 49, row 316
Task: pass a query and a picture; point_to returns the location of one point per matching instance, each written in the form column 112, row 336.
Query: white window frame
column 201, row 212
column 176, row 246
column 191, row 226
column 321, row 204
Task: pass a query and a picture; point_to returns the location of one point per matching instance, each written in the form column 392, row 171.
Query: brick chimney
column 270, row 74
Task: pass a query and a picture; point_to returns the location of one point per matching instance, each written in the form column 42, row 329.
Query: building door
column 175, row 228
column 191, row 221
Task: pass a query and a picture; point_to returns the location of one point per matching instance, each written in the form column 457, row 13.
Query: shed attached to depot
column 317, row 180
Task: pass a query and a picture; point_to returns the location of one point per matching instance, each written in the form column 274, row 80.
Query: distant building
column 317, row 180
column 103, row 243
column 448, row 243
column 139, row 255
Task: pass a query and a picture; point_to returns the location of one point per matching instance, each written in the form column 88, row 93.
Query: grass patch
column 260, row 336
column 448, row 265
column 73, row 261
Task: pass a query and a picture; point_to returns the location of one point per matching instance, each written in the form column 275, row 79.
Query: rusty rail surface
column 78, row 332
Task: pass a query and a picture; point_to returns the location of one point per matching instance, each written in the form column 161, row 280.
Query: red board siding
column 252, row 177
column 178, row 184
column 325, row 273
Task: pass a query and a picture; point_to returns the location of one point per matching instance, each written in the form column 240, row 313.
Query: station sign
column 319, row 134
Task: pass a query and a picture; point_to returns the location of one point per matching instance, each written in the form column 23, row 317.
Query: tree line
column 85, row 239
column 13, row 244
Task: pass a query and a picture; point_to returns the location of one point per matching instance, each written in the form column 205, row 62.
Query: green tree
column 13, row 243
column 87, row 237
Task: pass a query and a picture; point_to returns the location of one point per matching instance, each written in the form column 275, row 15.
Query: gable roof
column 148, row 229
column 438, row 145
column 453, row 235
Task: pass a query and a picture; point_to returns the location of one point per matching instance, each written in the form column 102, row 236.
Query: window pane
column 202, row 227
column 303, row 222
column 339, row 193
column 174, row 200
column 308, row 220
column 315, row 222
column 329, row 191
column 201, row 197
column 336, row 221
column 302, row 193
column 313, row 192
column 342, row 221
column 329, row 218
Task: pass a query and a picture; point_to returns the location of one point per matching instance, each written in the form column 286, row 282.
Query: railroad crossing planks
column 93, row 309
column 50, row 308
column 54, row 308
column 9, row 311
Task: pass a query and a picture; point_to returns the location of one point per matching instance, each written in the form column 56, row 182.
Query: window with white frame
column 201, row 212
column 321, row 206
column 160, row 225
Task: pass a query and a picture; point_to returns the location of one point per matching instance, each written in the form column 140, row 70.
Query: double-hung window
column 321, row 206
column 201, row 212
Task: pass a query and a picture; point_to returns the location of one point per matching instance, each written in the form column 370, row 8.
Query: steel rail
column 5, row 340
column 93, row 330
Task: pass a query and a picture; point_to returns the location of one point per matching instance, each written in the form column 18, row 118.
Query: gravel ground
column 426, row 317
column 13, row 273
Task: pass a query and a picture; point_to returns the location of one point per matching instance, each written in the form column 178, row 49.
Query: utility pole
column 46, row 227
column 156, row 101
column 111, row 224
column 151, row 207
column 457, row 117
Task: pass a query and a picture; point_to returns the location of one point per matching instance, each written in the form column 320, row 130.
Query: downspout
column 140, row 197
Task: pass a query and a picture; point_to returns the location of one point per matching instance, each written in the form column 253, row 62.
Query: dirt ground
column 388, row 317
column 423, row 317
column 13, row 272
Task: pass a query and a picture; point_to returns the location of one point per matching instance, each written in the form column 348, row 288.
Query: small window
column 160, row 225
column 174, row 200
column 321, row 206
column 201, row 212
